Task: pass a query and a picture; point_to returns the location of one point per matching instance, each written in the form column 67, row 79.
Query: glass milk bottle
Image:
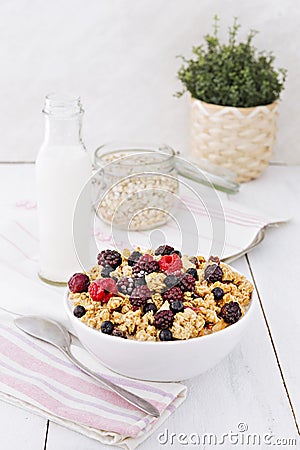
column 62, row 170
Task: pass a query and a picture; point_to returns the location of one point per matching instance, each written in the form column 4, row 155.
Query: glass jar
column 136, row 186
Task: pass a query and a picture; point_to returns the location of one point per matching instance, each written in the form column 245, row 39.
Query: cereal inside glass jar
column 136, row 187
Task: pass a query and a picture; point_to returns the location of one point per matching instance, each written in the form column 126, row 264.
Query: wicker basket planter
column 240, row 139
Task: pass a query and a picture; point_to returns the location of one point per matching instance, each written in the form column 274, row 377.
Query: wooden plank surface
column 258, row 383
column 275, row 264
column 21, row 430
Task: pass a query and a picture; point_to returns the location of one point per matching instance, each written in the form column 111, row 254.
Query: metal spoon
column 52, row 332
column 259, row 237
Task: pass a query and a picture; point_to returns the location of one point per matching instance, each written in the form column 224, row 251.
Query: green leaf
column 232, row 74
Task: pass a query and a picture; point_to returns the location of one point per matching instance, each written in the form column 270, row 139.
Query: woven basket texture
column 240, row 139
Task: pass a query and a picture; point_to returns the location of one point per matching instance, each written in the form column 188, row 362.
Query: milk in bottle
column 63, row 170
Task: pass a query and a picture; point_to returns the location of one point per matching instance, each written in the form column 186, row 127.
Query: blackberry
column 106, row 271
column 187, row 282
column 213, row 273
column 164, row 250
column 109, row 258
column 150, row 307
column 193, row 272
column 79, row 282
column 218, row 293
column 139, row 281
column 119, row 333
column 107, row 327
column 171, row 281
column 139, row 296
column 231, row 312
column 177, row 253
column 172, row 294
column 176, row 306
column 163, row 319
column 79, row 311
column 125, row 285
column 152, row 266
column 165, row 335
column 145, row 265
column 133, row 258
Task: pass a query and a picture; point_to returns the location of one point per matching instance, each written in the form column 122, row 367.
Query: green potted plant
column 235, row 91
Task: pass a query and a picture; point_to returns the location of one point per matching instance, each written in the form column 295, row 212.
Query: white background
column 119, row 55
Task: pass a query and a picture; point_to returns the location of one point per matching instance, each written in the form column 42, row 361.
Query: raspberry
column 213, row 273
column 133, row 258
column 187, row 282
column 171, row 281
column 139, row 296
column 79, row 311
column 218, row 293
column 193, row 272
column 125, row 285
column 165, row 335
column 163, row 319
column 170, row 263
column 231, row 312
column 79, row 282
column 175, row 293
column 102, row 289
column 164, row 250
column 110, row 258
column 107, row 327
column 176, row 306
column 145, row 265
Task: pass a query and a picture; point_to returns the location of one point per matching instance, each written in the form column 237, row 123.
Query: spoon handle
column 135, row 400
column 256, row 241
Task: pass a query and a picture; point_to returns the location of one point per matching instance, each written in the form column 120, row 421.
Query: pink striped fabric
column 38, row 374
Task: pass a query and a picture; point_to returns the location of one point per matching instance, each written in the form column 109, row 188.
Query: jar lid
column 120, row 157
column 124, row 159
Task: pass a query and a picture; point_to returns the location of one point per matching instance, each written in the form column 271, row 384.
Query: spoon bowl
column 45, row 329
column 52, row 332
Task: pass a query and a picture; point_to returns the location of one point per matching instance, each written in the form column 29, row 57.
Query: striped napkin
column 36, row 376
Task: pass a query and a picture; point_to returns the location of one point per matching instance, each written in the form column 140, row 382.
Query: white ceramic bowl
column 160, row 361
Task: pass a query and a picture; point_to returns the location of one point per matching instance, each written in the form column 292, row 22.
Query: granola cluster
column 137, row 300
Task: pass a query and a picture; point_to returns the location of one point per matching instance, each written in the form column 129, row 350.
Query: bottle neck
column 63, row 131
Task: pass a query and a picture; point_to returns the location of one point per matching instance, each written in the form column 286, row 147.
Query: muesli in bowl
column 159, row 295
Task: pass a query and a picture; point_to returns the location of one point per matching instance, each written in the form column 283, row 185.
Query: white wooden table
column 258, row 383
